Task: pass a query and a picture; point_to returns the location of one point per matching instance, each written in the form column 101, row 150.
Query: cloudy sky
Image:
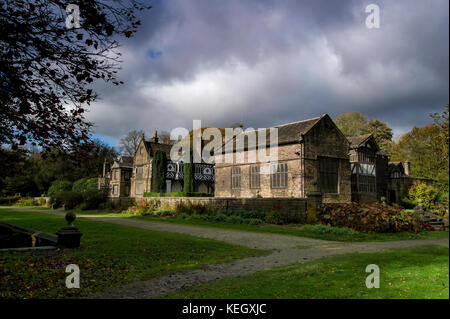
column 269, row 62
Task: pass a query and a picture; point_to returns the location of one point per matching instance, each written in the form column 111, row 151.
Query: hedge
column 178, row 194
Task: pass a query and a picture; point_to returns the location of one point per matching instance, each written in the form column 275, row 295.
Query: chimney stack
column 156, row 137
column 407, row 166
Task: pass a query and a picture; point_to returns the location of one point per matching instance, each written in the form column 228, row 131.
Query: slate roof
column 356, row 141
column 152, row 147
column 287, row 133
column 126, row 160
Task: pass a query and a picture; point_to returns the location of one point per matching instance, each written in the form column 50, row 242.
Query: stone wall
column 286, row 154
column 397, row 188
column 293, row 208
column 323, row 140
column 143, row 160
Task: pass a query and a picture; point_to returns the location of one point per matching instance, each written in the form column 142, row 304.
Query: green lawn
column 109, row 255
column 408, row 273
column 332, row 233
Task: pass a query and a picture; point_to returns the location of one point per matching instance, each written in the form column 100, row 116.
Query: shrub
column 429, row 194
column 441, row 206
column 144, row 208
column 59, row 186
column 68, row 199
column 254, row 221
column 179, row 194
column 9, row 200
column 92, row 200
column 274, row 217
column 369, row 218
column 151, row 194
column 192, row 208
column 188, row 194
column 159, row 171
column 220, row 218
column 235, row 219
column 188, row 185
column 84, row 185
column 26, row 202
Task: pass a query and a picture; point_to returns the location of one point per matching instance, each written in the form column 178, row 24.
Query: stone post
column 69, row 236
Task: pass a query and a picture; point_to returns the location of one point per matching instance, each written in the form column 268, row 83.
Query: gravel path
column 166, row 284
column 285, row 249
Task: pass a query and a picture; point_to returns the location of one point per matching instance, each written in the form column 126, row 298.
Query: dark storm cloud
column 272, row 62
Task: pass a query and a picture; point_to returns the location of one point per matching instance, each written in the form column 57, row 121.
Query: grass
column 409, row 273
column 311, row 231
column 109, row 255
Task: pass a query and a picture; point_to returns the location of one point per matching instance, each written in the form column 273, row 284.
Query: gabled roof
column 356, row 141
column 287, row 133
column 126, row 160
column 152, row 147
column 123, row 162
column 291, row 132
column 396, row 166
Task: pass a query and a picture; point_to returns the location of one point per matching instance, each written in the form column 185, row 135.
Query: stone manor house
column 313, row 156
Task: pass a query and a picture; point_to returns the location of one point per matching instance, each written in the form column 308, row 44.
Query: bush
column 235, row 219
column 274, row 217
column 68, row 199
column 59, row 186
column 188, row 185
column 9, row 200
column 179, row 194
column 159, row 171
column 151, row 194
column 188, row 194
column 190, row 208
column 256, row 214
column 26, row 202
column 369, row 218
column 254, row 221
column 85, row 185
column 429, row 194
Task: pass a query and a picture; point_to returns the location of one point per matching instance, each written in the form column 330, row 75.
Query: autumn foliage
column 374, row 218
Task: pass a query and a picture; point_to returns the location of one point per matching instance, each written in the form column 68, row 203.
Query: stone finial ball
column 70, row 217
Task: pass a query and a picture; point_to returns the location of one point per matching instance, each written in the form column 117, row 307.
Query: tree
column 416, row 147
column 47, row 68
column 164, row 137
column 382, row 134
column 33, row 172
column 188, row 177
column 354, row 124
column 440, row 143
column 159, row 165
column 130, row 142
column 351, row 123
